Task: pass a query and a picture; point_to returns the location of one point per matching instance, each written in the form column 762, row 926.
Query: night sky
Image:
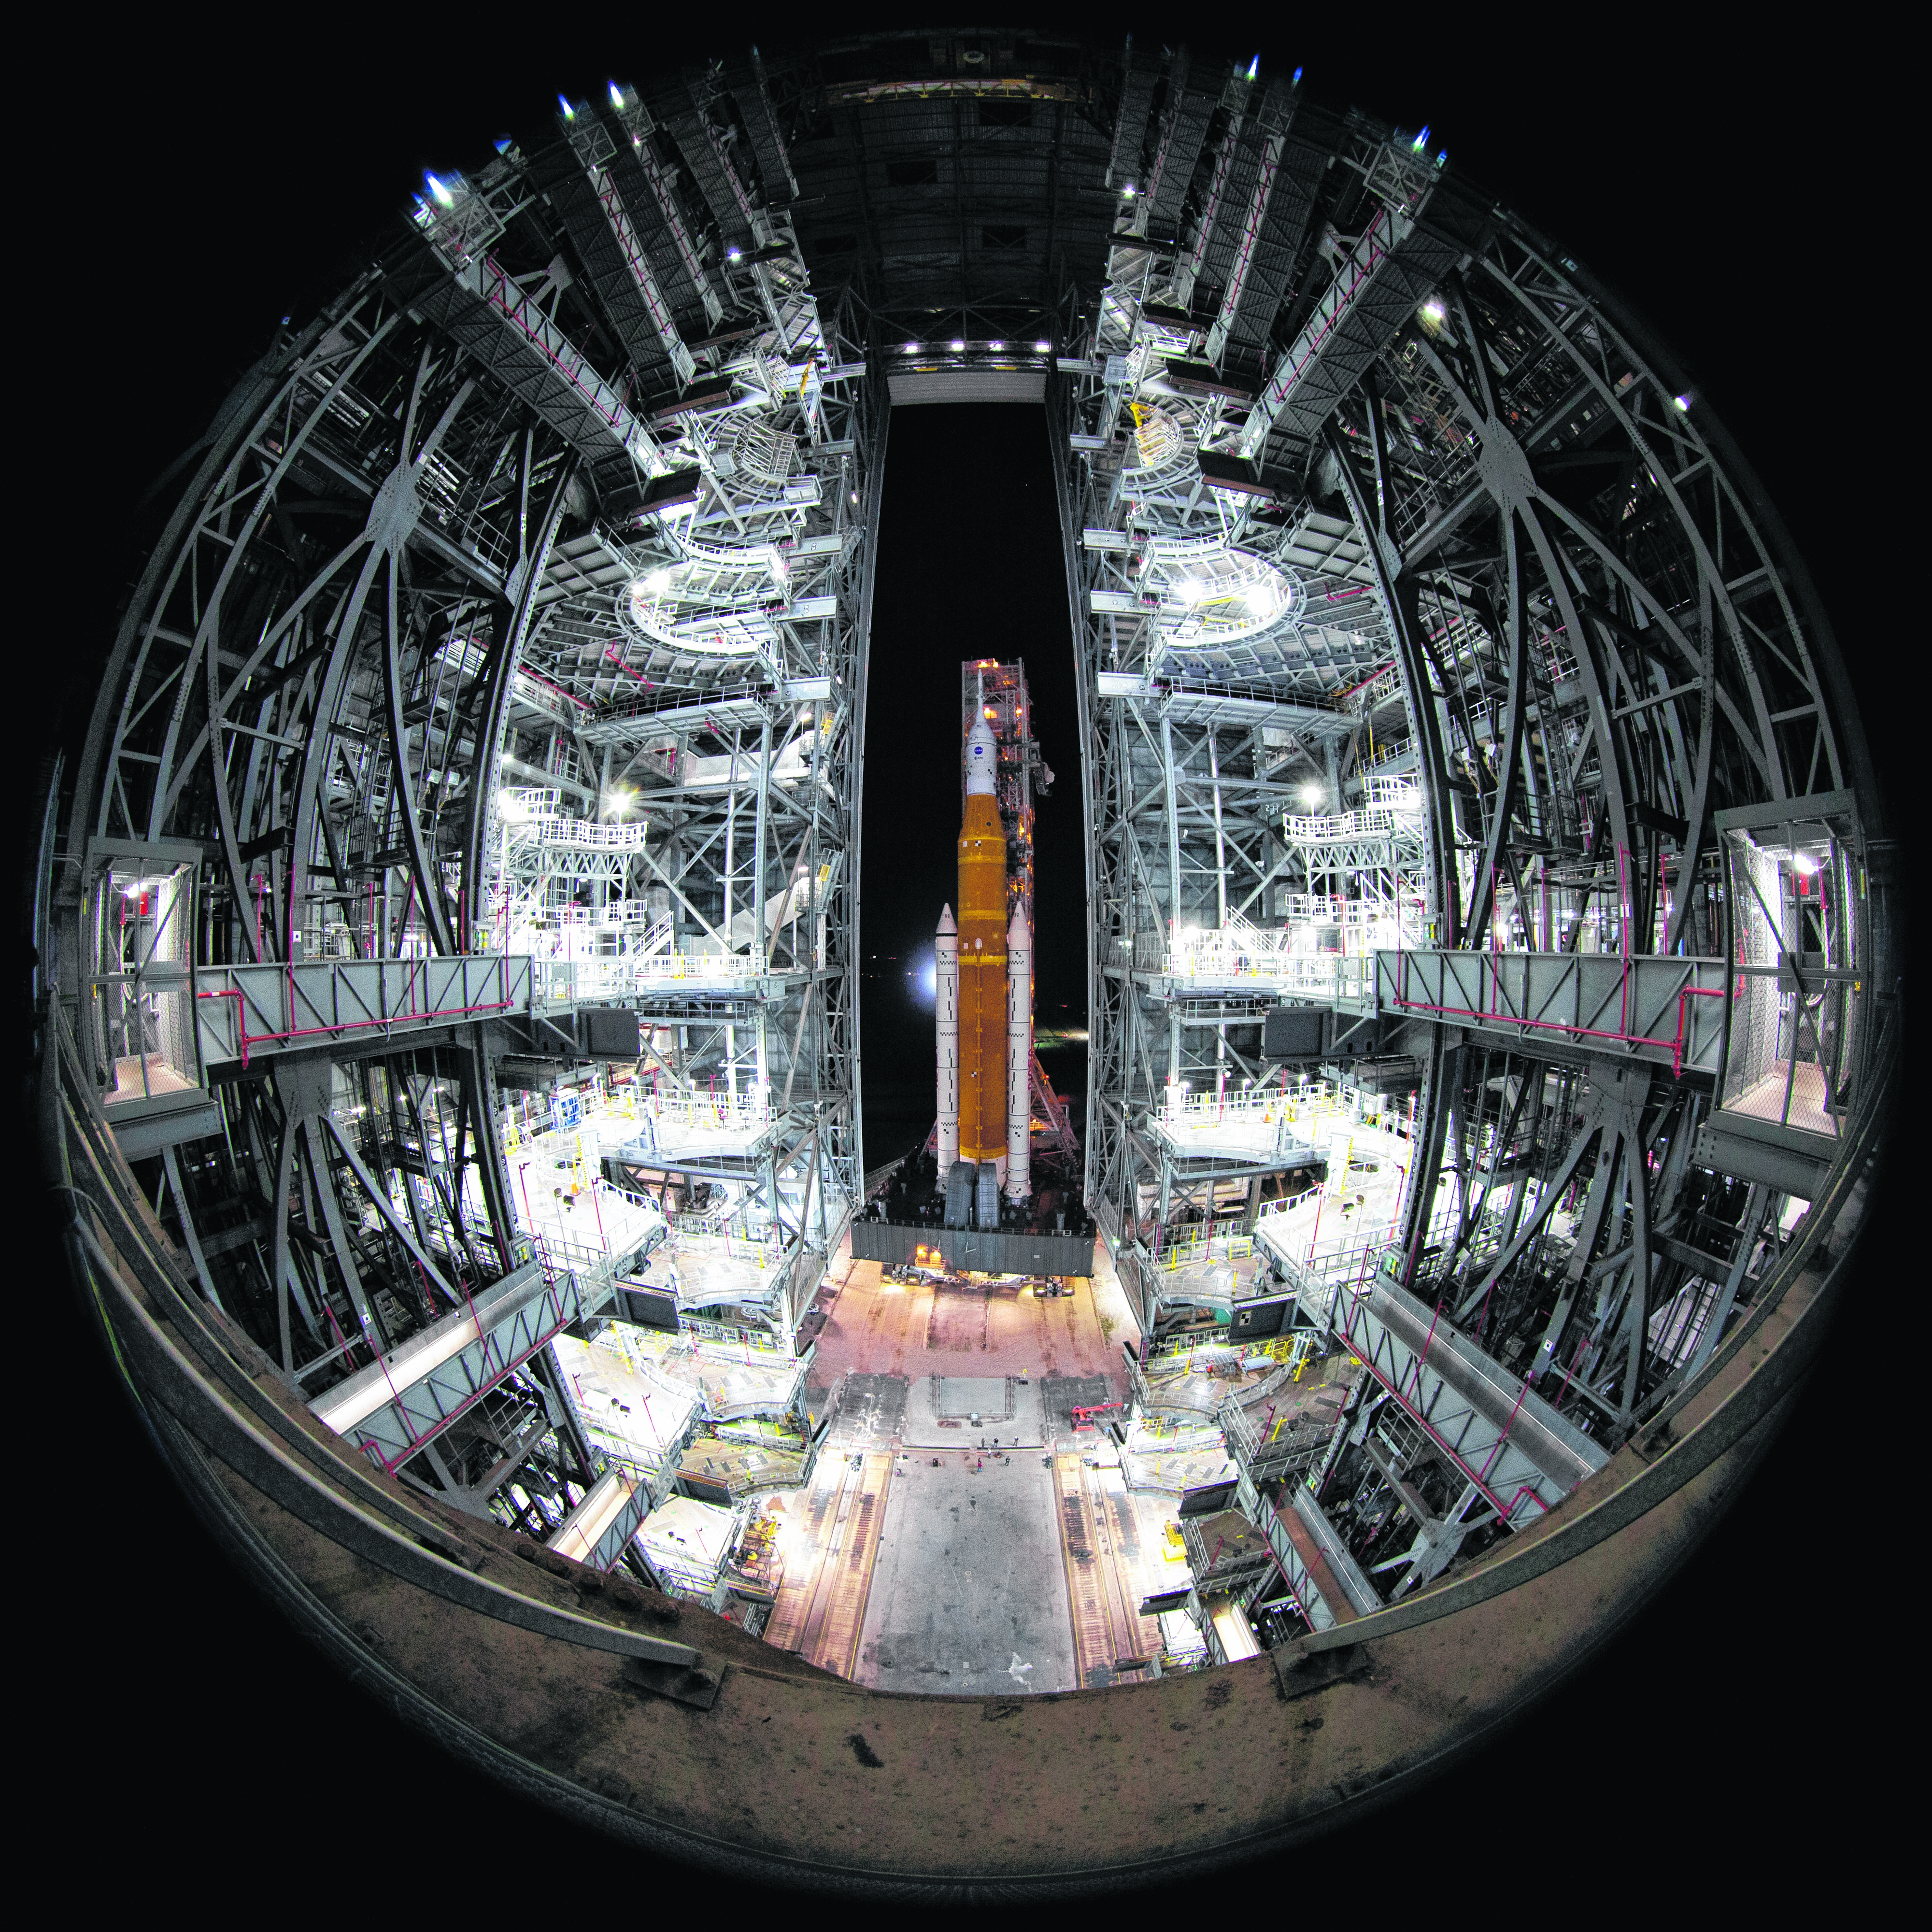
column 195, row 178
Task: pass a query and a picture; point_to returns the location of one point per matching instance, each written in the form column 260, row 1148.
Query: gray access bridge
column 1517, row 1457
column 405, row 1399
column 243, row 1014
column 1659, row 1009
column 1327, row 1582
column 1509, row 1445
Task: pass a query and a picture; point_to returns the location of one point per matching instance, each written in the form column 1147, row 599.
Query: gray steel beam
column 1520, row 1454
column 245, row 1014
column 1663, row 1011
column 1327, row 1582
column 394, row 1407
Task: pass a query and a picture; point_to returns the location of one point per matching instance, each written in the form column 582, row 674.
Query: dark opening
column 969, row 566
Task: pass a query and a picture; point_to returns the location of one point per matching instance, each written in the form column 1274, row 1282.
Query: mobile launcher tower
column 990, row 1087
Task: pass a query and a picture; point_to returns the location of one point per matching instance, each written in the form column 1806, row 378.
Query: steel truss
column 1568, row 627
column 525, row 593
column 464, row 634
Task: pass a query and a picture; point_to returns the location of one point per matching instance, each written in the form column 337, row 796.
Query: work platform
column 1239, row 1127
column 151, row 1106
column 587, row 1218
column 686, row 1544
column 1210, row 1271
column 1756, row 1146
column 707, row 1263
column 674, row 1130
column 725, row 1270
column 1225, row 1549
column 725, row 1467
column 728, row 1380
column 1178, row 1452
column 639, row 1418
column 1343, row 981
column 564, row 980
column 1276, row 1428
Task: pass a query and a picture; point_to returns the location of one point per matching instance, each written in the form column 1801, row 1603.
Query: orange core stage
column 983, row 981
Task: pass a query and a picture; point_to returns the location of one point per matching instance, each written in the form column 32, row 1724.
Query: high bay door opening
column 971, row 612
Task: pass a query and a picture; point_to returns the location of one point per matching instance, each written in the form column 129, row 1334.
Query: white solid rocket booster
column 945, row 988
column 1019, row 1057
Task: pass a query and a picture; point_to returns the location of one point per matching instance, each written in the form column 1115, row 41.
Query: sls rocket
column 984, row 984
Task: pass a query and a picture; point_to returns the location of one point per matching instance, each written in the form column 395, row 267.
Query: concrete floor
column 1010, row 1413
column 969, row 1594
column 876, row 1327
column 1111, row 1540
